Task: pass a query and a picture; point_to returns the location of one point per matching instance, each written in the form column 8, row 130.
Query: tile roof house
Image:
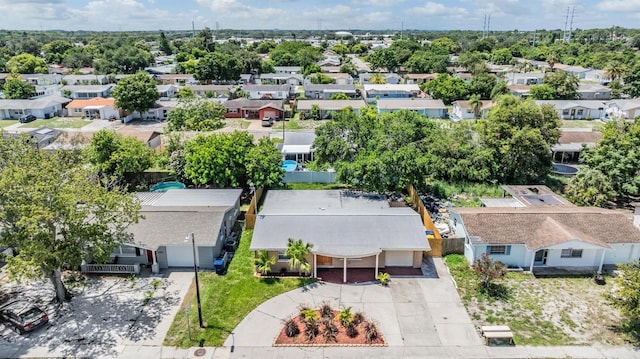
column 94, row 108
column 546, row 232
column 347, row 230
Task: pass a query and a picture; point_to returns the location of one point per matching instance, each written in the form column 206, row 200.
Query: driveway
column 415, row 315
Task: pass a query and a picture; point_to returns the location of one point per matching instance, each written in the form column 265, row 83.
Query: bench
column 497, row 332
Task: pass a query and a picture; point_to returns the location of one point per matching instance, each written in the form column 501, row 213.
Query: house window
column 282, row 257
column 565, row 112
column 233, row 110
column 571, row 253
column 580, row 112
column 77, row 110
column 125, row 251
column 505, row 250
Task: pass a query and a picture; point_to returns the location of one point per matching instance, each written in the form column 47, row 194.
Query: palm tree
column 615, row 71
column 476, row 105
column 264, row 262
column 552, row 60
column 297, row 252
column 378, row 79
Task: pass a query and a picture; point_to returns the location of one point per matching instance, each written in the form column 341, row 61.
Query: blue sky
column 314, row 14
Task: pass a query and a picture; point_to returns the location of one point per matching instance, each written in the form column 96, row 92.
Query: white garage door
column 180, row 256
column 398, row 258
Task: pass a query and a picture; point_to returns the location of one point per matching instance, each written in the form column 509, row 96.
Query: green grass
column 596, row 125
column 464, row 194
column 57, row 122
column 5, row 123
column 226, row 300
column 537, row 309
column 315, row 186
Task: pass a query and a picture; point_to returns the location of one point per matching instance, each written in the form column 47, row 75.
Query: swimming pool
column 289, row 165
column 165, row 186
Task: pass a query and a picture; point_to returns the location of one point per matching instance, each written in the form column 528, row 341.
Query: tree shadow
column 630, row 329
column 495, row 290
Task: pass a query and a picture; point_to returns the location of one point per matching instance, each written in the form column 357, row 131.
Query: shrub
column 291, row 328
column 384, row 278
column 309, row 315
column 488, row 270
column 326, row 311
column 358, row 318
column 330, row 332
column 345, row 316
column 370, row 332
column 310, row 330
column 352, row 330
column 302, row 308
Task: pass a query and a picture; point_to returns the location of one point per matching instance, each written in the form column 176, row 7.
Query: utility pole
column 566, row 21
column 573, row 9
column 193, row 29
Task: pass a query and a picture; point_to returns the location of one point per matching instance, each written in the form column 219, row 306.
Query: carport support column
column 344, row 271
column 601, row 261
column 155, row 267
column 533, row 258
column 315, row 265
column 375, row 274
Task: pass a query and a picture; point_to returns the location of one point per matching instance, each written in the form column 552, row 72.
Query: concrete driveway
column 415, row 315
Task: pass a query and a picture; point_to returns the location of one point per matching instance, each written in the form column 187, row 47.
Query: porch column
column 344, row 271
column 601, row 261
column 155, row 267
column 375, row 274
column 533, row 258
column 315, row 265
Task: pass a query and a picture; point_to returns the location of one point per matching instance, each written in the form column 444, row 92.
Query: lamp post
column 195, row 271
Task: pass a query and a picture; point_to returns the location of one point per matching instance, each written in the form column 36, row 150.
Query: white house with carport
column 158, row 239
column 545, row 233
column 427, row 107
column 326, row 107
column 43, row 107
column 347, row 229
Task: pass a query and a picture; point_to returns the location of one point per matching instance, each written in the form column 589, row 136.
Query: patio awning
column 296, row 149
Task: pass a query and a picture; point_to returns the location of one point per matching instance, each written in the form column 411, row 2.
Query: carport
column 345, row 256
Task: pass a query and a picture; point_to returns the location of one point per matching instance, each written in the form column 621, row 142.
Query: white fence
column 309, row 177
column 111, row 268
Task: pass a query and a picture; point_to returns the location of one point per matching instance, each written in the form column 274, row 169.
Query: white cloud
column 619, row 5
column 431, row 8
column 377, row 3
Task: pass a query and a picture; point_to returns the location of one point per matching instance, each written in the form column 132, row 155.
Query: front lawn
column 541, row 311
column 57, row 122
column 226, row 300
column 5, row 123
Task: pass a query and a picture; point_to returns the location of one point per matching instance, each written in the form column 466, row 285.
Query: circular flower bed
column 327, row 327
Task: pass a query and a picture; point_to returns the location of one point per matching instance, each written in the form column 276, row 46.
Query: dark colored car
column 27, row 118
column 23, row 316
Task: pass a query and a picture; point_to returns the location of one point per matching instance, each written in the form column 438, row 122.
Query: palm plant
column 615, row 71
column 297, row 251
column 378, row 79
column 476, row 105
column 264, row 262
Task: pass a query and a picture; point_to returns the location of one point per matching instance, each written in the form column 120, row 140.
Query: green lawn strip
column 226, row 300
column 57, row 122
column 5, row 123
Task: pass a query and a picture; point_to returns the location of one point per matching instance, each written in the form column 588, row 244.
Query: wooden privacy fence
column 435, row 240
column 252, row 211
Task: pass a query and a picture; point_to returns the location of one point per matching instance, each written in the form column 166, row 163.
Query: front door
column 541, row 257
column 324, row 261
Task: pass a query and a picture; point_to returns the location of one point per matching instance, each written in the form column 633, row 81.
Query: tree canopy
column 136, row 93
column 196, row 115
column 18, row 89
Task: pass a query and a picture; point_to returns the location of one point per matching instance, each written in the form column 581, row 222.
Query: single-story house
column 539, row 236
column 176, row 79
column 598, row 76
column 213, row 90
column 374, row 92
column 625, row 108
column 40, row 137
column 43, row 107
column 167, row 91
column 419, row 78
column 519, row 90
column 325, row 91
column 287, row 69
column 328, row 106
column 390, row 78
column 423, row 106
column 464, row 76
column 159, row 240
column 247, row 78
column 298, row 146
column 594, row 92
column 339, row 78
column 42, row 79
column 153, row 139
column 77, row 80
column 571, row 142
column 578, row 71
column 577, row 109
column 94, row 108
column 275, row 92
column 330, row 69
column 527, row 78
column 87, row 91
column 461, row 110
column 347, row 229
column 280, row 79
column 254, row 109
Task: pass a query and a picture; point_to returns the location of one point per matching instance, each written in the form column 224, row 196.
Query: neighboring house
column 339, row 78
column 247, row 78
column 346, row 228
column 280, row 79
column 528, row 78
column 43, row 107
column 426, row 107
column 287, row 69
column 325, row 91
column 161, row 69
column 461, row 110
column 77, row 80
column 94, row 108
column 328, row 106
column 577, row 109
column 464, row 76
column 254, row 109
column 598, row 76
column 42, row 79
column 213, row 90
column 158, row 111
column 520, row 90
column 571, row 143
column 419, row 78
column 390, row 78
column 594, row 92
column 547, row 233
column 153, row 139
column 162, row 238
column 330, row 69
column 176, row 79
column 374, row 92
column 87, row 91
column 578, row 71
column 275, row 92
column 298, row 146
column 627, row 108
column 70, row 140
column 40, row 137
column 167, row 91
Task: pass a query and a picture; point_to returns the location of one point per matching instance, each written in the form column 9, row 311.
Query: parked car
column 27, row 118
column 23, row 316
column 267, row 122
